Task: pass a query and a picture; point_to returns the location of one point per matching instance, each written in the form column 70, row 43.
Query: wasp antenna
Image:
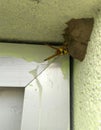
column 53, row 47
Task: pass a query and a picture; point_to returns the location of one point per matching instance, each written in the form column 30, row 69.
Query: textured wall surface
column 87, row 84
column 41, row 20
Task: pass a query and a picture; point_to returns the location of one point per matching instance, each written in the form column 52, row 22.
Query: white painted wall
column 87, row 84
column 14, row 72
column 17, row 72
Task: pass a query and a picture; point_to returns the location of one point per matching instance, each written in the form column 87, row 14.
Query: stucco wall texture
column 87, row 84
column 41, row 20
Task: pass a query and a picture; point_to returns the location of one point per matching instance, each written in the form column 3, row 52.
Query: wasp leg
column 51, row 57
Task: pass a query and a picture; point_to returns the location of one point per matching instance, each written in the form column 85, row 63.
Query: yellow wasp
column 59, row 51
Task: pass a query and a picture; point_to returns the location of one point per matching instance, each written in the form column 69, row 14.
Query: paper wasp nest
column 77, row 35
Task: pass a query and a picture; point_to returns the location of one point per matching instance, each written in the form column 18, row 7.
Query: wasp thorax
column 63, row 51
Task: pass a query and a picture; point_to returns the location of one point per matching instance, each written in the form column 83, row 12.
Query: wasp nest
column 77, row 36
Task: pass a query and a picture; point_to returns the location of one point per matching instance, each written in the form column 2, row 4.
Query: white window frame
column 43, row 71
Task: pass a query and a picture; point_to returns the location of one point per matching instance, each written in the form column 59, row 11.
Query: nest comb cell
column 76, row 38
